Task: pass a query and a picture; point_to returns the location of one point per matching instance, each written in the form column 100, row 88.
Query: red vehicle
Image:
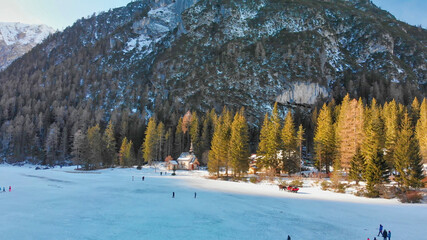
column 293, row 189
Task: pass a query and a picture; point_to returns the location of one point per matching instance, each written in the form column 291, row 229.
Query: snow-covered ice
column 62, row 203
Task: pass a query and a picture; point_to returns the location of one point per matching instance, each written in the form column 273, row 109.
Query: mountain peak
column 18, row 38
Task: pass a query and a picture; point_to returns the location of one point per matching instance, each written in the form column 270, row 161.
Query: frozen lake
column 107, row 204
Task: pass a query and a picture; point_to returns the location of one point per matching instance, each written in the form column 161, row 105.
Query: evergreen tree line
column 372, row 142
column 280, row 145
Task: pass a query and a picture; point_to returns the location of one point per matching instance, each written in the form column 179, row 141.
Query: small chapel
column 188, row 160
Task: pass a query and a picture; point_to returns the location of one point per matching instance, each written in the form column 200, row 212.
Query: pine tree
column 195, row 134
column 149, row 145
column 407, row 156
column 421, row 130
column 218, row 155
column 390, row 116
column 124, row 126
column 226, row 128
column 376, row 168
column 300, row 139
column 160, row 141
column 357, row 167
column 214, row 162
column 179, row 139
column 290, row 159
column 414, row 112
column 168, row 142
column 109, row 141
column 270, row 141
column 207, row 134
column 324, row 139
column 239, row 146
column 375, row 173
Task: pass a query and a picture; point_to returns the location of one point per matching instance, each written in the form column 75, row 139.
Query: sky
column 62, row 13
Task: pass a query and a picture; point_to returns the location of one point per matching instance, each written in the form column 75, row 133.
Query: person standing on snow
column 385, row 234
column 381, row 230
column 173, row 194
column 389, row 235
column 289, row 237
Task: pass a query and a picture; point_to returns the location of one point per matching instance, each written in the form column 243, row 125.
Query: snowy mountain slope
column 17, row 38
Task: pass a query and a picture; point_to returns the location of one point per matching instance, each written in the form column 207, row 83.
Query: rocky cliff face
column 16, row 39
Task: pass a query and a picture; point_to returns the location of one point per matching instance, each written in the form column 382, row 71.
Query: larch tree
column 408, row 162
column 126, row 156
column 324, row 139
column 79, row 147
column 289, row 145
column 349, row 131
column 421, row 130
column 239, row 146
column 149, row 145
column 94, row 139
column 186, row 122
column 110, row 150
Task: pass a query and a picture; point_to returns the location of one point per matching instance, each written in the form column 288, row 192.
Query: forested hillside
column 163, row 58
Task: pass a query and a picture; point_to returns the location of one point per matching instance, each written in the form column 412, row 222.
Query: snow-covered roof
column 173, row 162
column 186, row 156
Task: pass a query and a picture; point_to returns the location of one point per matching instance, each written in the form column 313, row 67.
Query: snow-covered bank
column 62, row 204
column 310, row 190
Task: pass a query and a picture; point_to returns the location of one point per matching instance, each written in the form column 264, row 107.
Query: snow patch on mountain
column 17, row 38
column 19, row 33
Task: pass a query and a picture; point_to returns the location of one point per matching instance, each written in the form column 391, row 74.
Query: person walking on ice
column 173, row 194
column 389, row 235
column 381, row 230
column 195, row 194
column 10, row 189
column 143, row 178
